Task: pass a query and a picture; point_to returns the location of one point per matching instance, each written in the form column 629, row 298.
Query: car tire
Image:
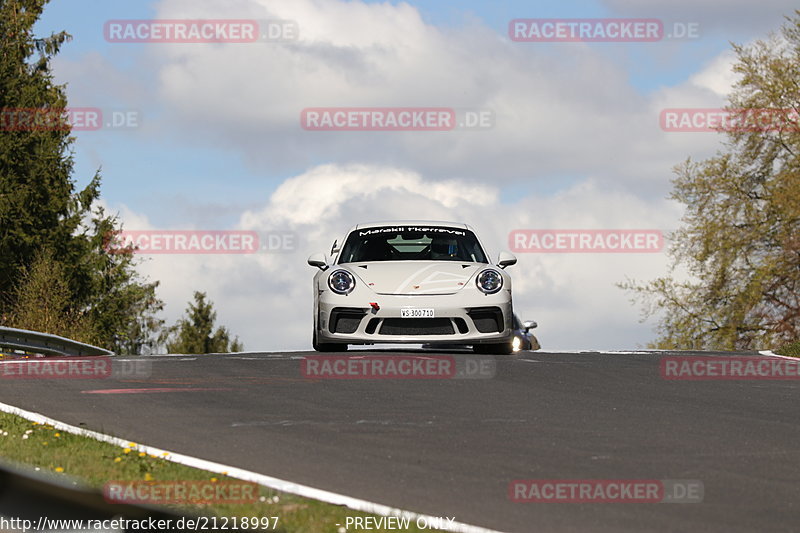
column 535, row 344
column 326, row 346
column 503, row 348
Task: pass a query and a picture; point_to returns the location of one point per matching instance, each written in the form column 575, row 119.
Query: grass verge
column 791, row 350
column 95, row 463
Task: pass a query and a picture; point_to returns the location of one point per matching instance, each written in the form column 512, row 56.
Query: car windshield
column 409, row 243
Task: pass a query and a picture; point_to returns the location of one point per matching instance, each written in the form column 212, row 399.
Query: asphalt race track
column 450, row 447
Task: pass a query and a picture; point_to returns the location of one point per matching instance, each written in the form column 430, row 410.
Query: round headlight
column 489, row 281
column 341, row 282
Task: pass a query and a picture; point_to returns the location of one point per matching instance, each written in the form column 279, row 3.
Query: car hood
column 416, row 277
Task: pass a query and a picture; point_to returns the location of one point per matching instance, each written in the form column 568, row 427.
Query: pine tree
column 39, row 206
column 194, row 333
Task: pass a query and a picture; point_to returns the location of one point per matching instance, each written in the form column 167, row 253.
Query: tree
column 37, row 209
column 40, row 208
column 122, row 306
column 42, row 302
column 193, row 333
column 740, row 237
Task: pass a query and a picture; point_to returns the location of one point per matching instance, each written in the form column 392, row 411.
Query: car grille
column 487, row 319
column 346, row 319
column 416, row 326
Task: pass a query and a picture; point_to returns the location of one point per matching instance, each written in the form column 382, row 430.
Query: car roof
column 382, row 223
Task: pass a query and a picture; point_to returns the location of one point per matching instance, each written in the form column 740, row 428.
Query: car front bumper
column 486, row 319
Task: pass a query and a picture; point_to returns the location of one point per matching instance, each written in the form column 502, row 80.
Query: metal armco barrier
column 32, row 496
column 46, row 344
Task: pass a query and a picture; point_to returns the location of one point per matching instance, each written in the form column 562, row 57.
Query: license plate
column 416, row 313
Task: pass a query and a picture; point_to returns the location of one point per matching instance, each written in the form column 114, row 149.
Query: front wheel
column 326, row 346
column 503, row 348
column 535, row 344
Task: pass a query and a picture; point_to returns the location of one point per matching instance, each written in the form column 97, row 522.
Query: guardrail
column 37, row 501
column 45, row 343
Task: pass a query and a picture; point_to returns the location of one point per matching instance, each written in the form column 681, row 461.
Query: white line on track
column 769, row 353
column 246, row 475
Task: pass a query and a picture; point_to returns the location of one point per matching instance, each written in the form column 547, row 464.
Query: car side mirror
column 318, row 260
column 506, row 259
column 529, row 325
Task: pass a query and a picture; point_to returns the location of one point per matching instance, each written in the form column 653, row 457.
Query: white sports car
column 412, row 282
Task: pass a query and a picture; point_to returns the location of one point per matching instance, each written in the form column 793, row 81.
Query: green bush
column 43, row 302
column 792, row 349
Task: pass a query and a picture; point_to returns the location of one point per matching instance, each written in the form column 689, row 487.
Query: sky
column 211, row 137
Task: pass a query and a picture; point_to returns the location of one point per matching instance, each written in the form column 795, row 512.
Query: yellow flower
column 142, row 454
column 59, row 469
column 117, row 459
column 126, row 450
column 148, row 477
column 57, row 435
column 213, row 480
column 132, row 444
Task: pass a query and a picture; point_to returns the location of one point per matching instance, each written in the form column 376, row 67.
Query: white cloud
column 321, row 193
column 266, row 298
column 562, row 113
column 708, row 88
column 718, row 75
column 558, row 110
column 568, row 121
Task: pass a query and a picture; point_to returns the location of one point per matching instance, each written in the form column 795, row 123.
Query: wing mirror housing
column 318, row 260
column 506, row 259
